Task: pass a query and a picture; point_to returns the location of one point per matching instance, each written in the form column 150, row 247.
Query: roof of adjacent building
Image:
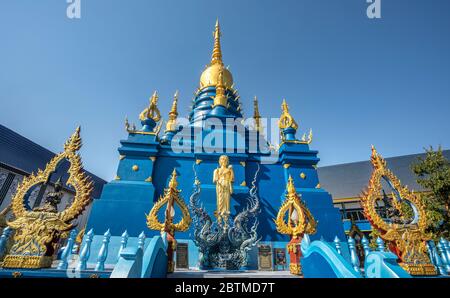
column 348, row 180
column 25, row 156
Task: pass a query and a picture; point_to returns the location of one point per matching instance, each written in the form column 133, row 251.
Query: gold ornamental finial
column 290, row 186
column 173, row 114
column 173, row 181
column 220, row 99
column 286, row 120
column 152, row 111
column 256, row 114
column 217, row 51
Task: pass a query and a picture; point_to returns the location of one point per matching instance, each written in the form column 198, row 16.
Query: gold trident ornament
column 299, row 221
column 170, row 198
column 37, row 231
column 406, row 237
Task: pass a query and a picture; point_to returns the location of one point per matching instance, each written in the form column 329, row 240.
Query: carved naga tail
column 241, row 234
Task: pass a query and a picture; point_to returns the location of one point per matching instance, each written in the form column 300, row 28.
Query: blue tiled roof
column 348, row 180
column 22, row 154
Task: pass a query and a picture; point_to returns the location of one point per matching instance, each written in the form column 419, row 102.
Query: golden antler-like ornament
column 37, row 231
column 299, row 221
column 170, row 198
column 405, row 237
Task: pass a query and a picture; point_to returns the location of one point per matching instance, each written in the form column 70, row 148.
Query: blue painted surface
column 321, row 260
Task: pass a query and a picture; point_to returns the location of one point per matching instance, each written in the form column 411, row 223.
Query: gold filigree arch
column 305, row 222
column 406, row 239
column 37, row 231
column 77, row 179
column 171, row 198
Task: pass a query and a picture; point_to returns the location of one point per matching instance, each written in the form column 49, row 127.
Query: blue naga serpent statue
column 225, row 246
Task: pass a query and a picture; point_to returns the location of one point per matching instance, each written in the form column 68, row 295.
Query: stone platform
column 230, row 274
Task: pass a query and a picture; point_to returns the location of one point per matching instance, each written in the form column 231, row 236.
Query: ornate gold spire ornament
column 173, row 114
column 216, row 57
column 210, row 75
column 406, row 237
column 286, row 120
column 299, row 221
column 256, row 115
column 37, row 231
column 299, row 218
column 170, row 198
column 152, row 111
column 220, row 99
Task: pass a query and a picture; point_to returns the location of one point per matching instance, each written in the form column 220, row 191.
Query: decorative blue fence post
column 446, row 248
column 444, row 259
column 380, row 245
column 123, row 242
column 435, row 258
column 86, row 251
column 103, row 252
column 365, row 244
column 141, row 240
column 337, row 244
column 67, row 252
column 4, row 240
column 353, row 255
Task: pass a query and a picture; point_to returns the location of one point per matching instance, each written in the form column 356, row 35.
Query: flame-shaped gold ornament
column 170, row 198
column 37, row 231
column 405, row 237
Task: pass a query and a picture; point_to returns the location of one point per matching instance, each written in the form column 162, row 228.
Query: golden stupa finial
column 152, row 111
column 217, row 51
column 220, row 99
column 284, row 106
column 210, row 76
column 286, row 120
column 256, row 114
column 173, row 114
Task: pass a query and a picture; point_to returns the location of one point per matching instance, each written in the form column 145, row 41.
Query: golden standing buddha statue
column 223, row 178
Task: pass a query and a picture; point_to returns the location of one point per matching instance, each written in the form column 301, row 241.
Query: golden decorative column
column 170, row 199
column 299, row 221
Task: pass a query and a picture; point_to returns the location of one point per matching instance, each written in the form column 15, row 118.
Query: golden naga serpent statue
column 407, row 238
column 38, row 231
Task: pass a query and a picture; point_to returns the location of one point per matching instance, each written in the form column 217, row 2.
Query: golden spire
column 256, row 114
column 220, row 99
column 217, row 51
column 291, row 187
column 173, row 181
column 210, row 75
column 173, row 114
column 152, row 112
column 286, row 120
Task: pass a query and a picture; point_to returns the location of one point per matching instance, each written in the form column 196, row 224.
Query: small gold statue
column 223, row 177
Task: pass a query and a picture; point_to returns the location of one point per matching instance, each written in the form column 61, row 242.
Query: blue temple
column 213, row 127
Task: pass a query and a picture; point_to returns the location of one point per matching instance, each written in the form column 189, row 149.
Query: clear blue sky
column 353, row 80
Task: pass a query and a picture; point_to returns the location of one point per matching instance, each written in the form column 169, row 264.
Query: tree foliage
column 433, row 174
